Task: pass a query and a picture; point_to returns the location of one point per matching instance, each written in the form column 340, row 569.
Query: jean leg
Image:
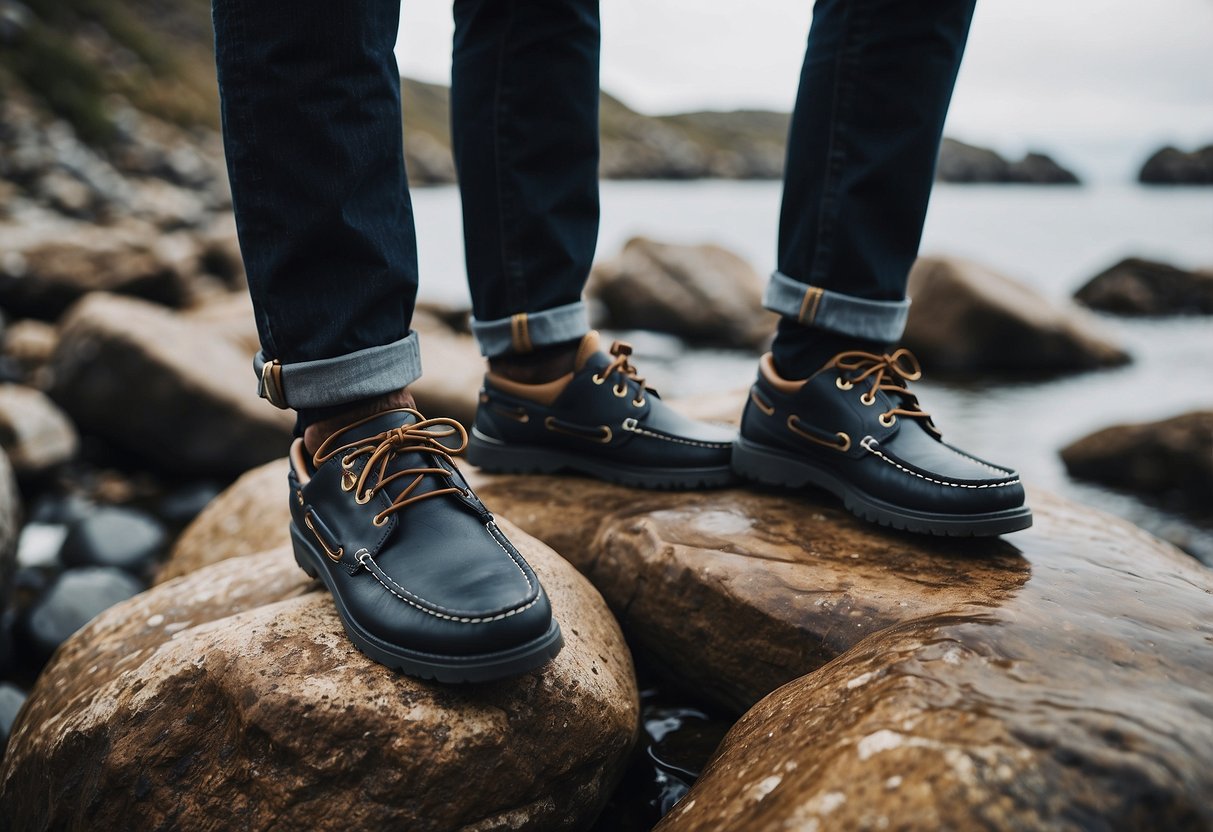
column 874, row 93
column 524, row 124
column 310, row 98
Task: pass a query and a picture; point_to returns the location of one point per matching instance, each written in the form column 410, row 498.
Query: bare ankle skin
column 316, row 433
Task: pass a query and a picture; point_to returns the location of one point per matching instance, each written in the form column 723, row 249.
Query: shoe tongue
column 588, row 348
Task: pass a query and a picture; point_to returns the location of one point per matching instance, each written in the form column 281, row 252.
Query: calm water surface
column 1053, row 239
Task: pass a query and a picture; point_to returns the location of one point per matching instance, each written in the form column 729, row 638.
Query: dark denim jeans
column 311, row 120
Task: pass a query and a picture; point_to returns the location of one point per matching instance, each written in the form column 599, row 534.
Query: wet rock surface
column 967, row 318
column 703, row 293
column 1144, row 287
column 278, row 722
column 35, row 434
column 1059, row 677
column 1168, row 461
column 164, row 388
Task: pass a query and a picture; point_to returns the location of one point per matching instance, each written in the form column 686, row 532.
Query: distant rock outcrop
column 960, row 162
column 1144, row 287
column 968, row 318
column 1167, row 461
column 1171, row 166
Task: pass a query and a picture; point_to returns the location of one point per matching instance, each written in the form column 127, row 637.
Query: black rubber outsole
column 484, row 667
column 500, row 458
column 772, row 466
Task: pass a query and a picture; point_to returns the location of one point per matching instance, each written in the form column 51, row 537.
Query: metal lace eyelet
column 597, row 379
column 638, row 402
column 867, row 399
column 887, row 419
column 364, row 498
column 620, row 390
column 347, row 463
column 842, row 384
column 378, row 521
column 348, row 480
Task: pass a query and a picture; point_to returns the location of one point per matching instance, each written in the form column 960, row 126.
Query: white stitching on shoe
column 631, row 426
column 868, row 442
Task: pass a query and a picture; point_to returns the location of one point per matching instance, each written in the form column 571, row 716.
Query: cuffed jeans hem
column 873, row 320
column 346, row 378
column 528, row 331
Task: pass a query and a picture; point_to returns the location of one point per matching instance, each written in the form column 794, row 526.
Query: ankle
column 539, row 367
column 323, row 423
column 800, row 351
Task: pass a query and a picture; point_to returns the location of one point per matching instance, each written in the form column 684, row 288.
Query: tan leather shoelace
column 621, row 351
column 889, row 372
column 384, row 447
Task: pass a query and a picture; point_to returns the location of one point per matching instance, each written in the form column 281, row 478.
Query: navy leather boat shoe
column 423, row 579
column 855, row 429
column 600, row 420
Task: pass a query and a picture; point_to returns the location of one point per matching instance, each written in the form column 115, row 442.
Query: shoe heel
column 301, row 557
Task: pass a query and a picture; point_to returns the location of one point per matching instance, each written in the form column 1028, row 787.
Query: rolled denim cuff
column 873, row 320
column 340, row 380
column 528, row 331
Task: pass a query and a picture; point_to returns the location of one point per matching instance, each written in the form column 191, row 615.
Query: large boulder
column 1167, row 461
column 164, row 387
column 968, row 318
column 1058, row 676
column 230, row 698
column 1171, row 166
column 1144, row 287
column 704, row 293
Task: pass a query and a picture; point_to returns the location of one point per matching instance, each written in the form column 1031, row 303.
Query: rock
column 34, row 432
column 165, row 388
column 701, row 293
column 40, row 544
column 10, row 529
column 41, row 276
column 230, row 698
column 69, row 603
column 11, row 700
column 965, row 163
column 184, row 503
column 452, row 371
column 1169, row 461
column 251, row 515
column 30, row 344
column 1144, row 287
column 1171, row 166
column 118, row 536
column 967, row 318
column 1055, row 679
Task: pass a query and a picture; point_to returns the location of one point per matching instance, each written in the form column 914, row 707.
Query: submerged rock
column 1169, row 460
column 701, row 293
column 1144, row 287
column 231, row 698
column 967, row 318
column 165, row 388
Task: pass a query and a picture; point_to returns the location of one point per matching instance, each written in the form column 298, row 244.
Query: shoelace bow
column 889, row 372
column 384, row 447
column 621, row 351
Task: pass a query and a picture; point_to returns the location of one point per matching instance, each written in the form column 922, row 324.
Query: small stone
column 40, row 544
column 125, row 538
column 74, row 599
column 11, row 700
column 35, row 433
column 60, row 509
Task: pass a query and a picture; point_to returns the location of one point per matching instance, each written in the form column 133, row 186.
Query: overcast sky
column 1097, row 83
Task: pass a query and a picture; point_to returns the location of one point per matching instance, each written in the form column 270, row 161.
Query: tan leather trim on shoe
column 766, row 366
column 298, row 455
column 544, row 394
column 589, row 346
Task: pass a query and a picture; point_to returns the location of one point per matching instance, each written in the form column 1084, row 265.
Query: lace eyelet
column 887, row 419
column 867, row 399
column 364, row 498
column 597, row 379
column 620, row 390
column 842, row 384
column 346, row 463
column 348, row 481
column 638, row 402
column 378, row 521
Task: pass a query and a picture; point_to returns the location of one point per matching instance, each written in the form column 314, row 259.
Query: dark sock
column 544, row 364
column 324, row 421
column 799, row 351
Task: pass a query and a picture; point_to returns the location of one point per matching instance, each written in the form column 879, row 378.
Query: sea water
column 1051, row 238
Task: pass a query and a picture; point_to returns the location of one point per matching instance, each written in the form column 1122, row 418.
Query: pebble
column 40, row 544
column 119, row 536
column 71, row 602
